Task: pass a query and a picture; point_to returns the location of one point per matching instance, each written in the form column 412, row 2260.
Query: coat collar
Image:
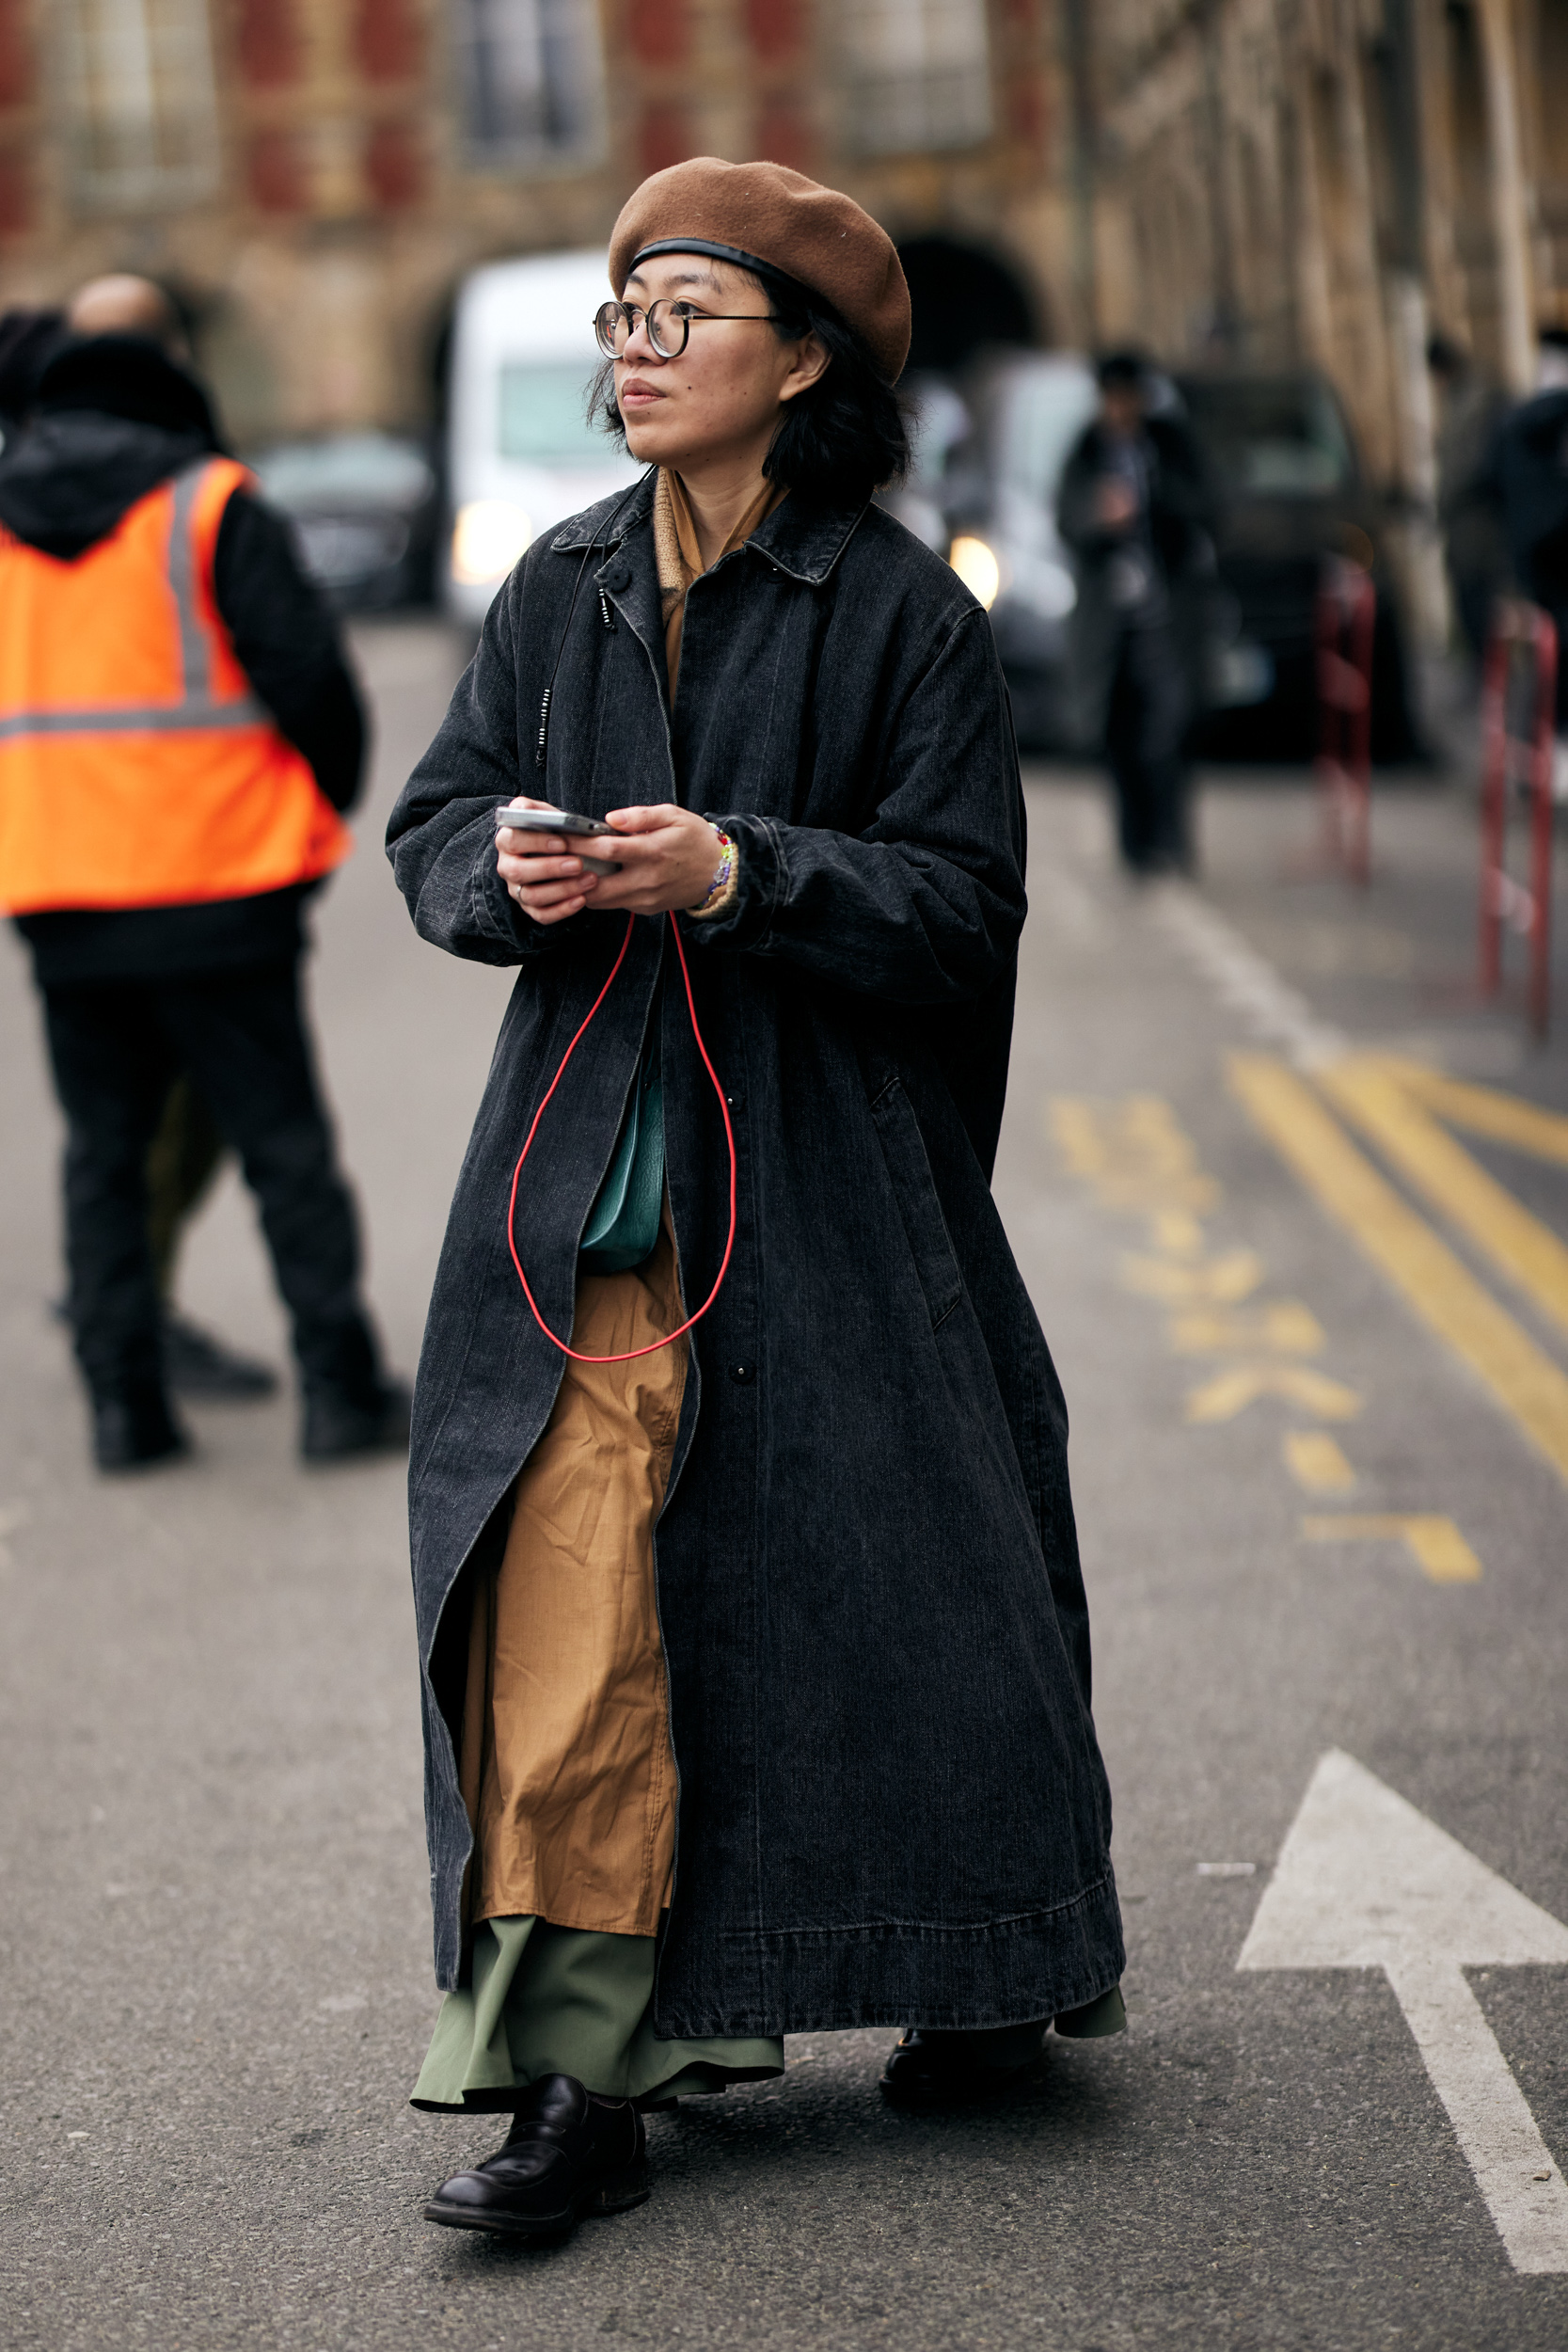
column 801, row 540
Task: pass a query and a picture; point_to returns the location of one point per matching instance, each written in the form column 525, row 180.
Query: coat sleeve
column 924, row 906
column 441, row 834
column 286, row 642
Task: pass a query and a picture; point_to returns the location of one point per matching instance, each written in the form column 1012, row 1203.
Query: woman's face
column 722, row 397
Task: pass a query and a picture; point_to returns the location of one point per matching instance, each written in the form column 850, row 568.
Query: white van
column 521, row 453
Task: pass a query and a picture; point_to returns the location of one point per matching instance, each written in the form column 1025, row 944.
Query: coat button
column 743, row 1373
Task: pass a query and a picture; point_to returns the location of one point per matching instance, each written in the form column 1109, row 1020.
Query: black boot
column 569, row 2158
column 351, row 1406
column 340, row 1423
column 132, row 1426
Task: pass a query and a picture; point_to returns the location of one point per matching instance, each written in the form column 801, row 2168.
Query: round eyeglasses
column 669, row 324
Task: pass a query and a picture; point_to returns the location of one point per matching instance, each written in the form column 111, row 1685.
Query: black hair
column 837, row 442
column 1122, row 370
column 1446, row 358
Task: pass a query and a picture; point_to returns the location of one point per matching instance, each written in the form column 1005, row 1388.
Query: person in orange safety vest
column 179, row 741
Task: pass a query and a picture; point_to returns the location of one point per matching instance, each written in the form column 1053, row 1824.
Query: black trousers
column 1144, row 728
column 116, row 1046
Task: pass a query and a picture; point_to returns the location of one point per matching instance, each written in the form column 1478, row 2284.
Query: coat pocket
column 914, row 1190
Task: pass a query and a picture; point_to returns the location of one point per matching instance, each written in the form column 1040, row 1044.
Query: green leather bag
column 623, row 1223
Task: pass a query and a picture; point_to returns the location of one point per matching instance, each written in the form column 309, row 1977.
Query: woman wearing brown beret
column 756, row 1659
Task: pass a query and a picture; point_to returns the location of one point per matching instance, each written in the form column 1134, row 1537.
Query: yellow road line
column 1317, row 1461
column 1284, row 1328
column 1376, row 1096
column 1221, row 1281
column 1231, row 1391
column 1503, row 1118
column 1434, row 1544
column 1431, row 1280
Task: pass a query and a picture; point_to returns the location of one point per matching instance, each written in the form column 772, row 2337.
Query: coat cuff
column 762, row 883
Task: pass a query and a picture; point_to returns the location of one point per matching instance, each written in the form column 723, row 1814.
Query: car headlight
column 487, row 538
column 976, row 565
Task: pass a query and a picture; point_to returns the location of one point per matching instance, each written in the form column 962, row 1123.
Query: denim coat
column 892, row 1805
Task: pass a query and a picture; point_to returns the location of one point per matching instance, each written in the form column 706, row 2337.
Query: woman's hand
column 539, row 869
column 669, row 856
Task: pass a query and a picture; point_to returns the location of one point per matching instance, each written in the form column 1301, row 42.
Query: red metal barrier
column 1346, row 621
column 1521, row 671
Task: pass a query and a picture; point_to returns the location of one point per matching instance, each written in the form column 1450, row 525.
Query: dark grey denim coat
column 891, row 1803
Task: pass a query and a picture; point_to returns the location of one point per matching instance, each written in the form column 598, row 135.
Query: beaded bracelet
column 721, row 879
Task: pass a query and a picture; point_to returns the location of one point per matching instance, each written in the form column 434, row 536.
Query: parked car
column 1289, row 494
column 521, row 453
column 364, row 508
column 940, row 427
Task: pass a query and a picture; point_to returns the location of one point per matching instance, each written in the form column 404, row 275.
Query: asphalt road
column 1322, row 1499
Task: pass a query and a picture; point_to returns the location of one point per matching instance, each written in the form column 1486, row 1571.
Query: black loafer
column 926, row 2071
column 569, row 2158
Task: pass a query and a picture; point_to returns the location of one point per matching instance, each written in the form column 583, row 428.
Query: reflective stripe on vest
column 198, row 706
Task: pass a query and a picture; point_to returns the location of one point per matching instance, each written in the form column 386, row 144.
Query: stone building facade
column 314, row 177
column 1263, row 181
column 1328, row 182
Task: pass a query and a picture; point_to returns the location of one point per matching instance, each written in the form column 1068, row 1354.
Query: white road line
column 1068, row 907
column 1271, row 1010
column 1365, row 1880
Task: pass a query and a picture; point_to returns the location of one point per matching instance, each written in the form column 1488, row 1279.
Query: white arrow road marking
column 1363, row 1881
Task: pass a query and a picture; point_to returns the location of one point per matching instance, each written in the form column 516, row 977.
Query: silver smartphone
column 560, row 820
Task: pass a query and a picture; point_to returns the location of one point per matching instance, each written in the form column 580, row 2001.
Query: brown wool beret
column 766, row 212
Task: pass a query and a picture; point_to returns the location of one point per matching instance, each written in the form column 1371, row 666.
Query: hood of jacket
column 112, row 419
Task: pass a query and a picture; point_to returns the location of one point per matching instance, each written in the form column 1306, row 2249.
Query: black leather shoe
column 133, row 1427
column 197, row 1364
column 340, row 1423
column 928, row 2070
column 569, row 2158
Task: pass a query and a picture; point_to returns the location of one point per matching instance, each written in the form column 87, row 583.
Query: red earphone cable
column 632, row 1353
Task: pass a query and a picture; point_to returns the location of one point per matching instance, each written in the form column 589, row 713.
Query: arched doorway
column 965, row 299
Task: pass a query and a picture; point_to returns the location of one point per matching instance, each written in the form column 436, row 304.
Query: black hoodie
column 112, row 419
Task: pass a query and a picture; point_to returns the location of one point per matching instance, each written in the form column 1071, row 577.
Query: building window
column 138, row 104
column 918, row 75
column 532, row 82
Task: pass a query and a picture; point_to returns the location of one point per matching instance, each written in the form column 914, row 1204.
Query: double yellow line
column 1399, row 1105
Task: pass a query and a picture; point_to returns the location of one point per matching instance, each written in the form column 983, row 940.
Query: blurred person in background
column 1135, row 509
column 187, row 1150
column 1472, row 411
column 177, row 736
column 28, row 340
column 1533, row 479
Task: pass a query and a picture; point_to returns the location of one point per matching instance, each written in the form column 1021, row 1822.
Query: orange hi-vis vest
column 137, row 767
